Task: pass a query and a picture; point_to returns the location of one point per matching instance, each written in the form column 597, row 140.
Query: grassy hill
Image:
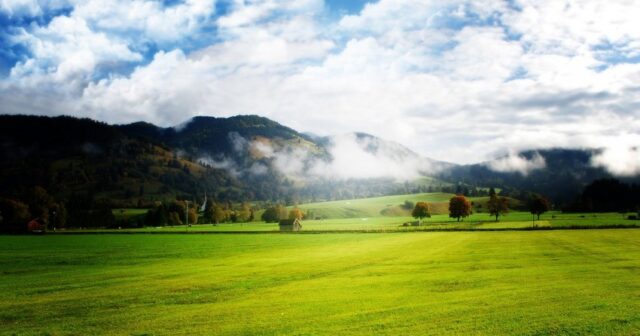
column 389, row 206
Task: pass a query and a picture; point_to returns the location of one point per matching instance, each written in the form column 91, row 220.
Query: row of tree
column 607, row 195
column 275, row 213
column 175, row 213
column 36, row 204
column 172, row 213
column 225, row 212
column 460, row 207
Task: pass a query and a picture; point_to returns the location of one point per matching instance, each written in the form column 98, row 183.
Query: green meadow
column 386, row 214
column 577, row 282
column 405, row 279
column 374, row 206
column 478, row 221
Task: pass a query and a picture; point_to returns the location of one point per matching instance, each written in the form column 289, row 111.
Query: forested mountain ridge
column 248, row 158
column 69, row 156
column 562, row 176
column 132, row 165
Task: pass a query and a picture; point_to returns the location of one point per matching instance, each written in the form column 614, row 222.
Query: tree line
column 460, row 207
column 607, row 195
column 36, row 204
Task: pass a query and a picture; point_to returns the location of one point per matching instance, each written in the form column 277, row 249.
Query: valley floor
column 515, row 282
column 477, row 221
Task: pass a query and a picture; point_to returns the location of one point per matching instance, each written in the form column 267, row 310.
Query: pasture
column 477, row 221
column 386, row 214
column 514, row 282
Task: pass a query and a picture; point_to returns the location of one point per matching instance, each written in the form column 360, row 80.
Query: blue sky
column 461, row 81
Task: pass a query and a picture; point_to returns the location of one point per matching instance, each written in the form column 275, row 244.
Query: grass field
column 527, row 283
column 387, row 206
column 386, row 214
column 369, row 207
column 478, row 221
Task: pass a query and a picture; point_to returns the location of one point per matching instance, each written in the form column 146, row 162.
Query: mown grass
column 386, row 214
column 467, row 283
column 477, row 221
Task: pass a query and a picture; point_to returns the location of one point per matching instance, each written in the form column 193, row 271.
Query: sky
column 459, row 81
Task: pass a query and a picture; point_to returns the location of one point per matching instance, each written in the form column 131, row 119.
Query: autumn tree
column 177, row 212
column 497, row 206
column 244, row 214
column 193, row 215
column 459, row 207
column 296, row 214
column 219, row 214
column 538, row 205
column 420, row 211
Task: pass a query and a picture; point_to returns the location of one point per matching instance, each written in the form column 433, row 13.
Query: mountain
column 559, row 174
column 253, row 158
column 237, row 158
column 70, row 157
column 210, row 135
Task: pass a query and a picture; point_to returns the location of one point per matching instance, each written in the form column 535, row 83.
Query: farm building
column 36, row 226
column 290, row 225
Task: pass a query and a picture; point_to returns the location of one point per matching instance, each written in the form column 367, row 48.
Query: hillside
column 216, row 136
column 237, row 158
column 390, row 206
column 79, row 157
column 250, row 158
column 561, row 178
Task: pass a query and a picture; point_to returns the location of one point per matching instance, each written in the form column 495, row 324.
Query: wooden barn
column 290, row 225
column 36, row 226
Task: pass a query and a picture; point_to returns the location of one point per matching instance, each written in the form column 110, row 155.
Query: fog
column 347, row 156
column 517, row 163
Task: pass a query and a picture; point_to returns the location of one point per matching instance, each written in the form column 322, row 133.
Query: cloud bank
column 455, row 80
column 348, row 156
column 516, row 163
column 621, row 159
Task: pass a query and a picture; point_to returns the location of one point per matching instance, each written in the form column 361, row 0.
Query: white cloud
column 384, row 15
column 350, row 157
column 19, row 8
column 515, row 163
column 620, row 157
column 238, row 143
column 31, row 8
column 146, row 19
column 482, row 54
column 619, row 161
column 67, row 50
column 572, row 27
column 453, row 80
column 250, row 13
column 368, row 158
column 164, row 89
column 221, row 163
column 262, row 149
column 262, row 48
